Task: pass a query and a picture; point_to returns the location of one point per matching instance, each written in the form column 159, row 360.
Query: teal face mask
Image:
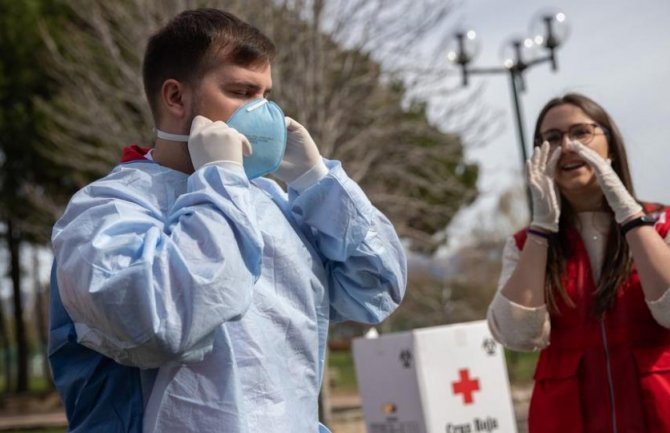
column 263, row 123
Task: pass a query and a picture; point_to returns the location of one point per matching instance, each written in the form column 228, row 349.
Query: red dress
column 601, row 371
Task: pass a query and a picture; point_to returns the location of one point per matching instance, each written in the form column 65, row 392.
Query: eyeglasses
column 582, row 132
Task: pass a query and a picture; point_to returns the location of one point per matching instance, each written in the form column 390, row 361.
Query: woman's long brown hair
column 617, row 262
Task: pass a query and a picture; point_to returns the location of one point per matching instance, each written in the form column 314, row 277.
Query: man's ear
column 175, row 97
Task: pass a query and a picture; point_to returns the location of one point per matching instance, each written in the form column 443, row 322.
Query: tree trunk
column 14, row 243
column 42, row 312
column 5, row 347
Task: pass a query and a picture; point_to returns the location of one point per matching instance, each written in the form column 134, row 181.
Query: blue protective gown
column 221, row 290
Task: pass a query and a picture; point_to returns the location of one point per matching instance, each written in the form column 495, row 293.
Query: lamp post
column 548, row 31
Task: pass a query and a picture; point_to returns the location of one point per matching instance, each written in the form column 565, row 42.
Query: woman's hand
column 622, row 203
column 544, row 192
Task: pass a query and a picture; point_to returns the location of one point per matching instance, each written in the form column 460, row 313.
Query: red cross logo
column 465, row 386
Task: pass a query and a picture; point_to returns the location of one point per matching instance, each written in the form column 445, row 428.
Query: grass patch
column 342, row 373
column 37, row 384
column 521, row 366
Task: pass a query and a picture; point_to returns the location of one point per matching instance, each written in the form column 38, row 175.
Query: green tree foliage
column 25, row 175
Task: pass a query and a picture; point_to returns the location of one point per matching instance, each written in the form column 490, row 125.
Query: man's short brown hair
column 194, row 42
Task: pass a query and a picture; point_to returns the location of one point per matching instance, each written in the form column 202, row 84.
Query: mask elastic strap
column 171, row 137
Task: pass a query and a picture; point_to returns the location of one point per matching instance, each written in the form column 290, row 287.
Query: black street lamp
column 548, row 31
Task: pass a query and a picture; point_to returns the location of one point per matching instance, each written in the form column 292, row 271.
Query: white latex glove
column 619, row 199
column 543, row 190
column 301, row 156
column 212, row 142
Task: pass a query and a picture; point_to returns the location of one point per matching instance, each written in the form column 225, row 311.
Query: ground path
column 347, row 415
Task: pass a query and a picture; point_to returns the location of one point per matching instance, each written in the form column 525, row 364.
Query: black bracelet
column 544, row 235
column 644, row 220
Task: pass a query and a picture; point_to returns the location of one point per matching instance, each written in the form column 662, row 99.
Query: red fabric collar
column 134, row 153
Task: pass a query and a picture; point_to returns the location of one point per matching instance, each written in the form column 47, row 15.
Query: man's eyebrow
column 236, row 82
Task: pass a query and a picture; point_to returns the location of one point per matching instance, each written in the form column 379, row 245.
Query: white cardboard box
column 445, row 379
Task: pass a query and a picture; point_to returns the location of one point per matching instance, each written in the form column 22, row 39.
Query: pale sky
column 617, row 52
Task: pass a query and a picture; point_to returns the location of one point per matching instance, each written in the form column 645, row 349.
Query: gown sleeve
column 144, row 285
column 366, row 263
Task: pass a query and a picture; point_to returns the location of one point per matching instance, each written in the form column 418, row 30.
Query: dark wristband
column 544, row 235
column 644, row 220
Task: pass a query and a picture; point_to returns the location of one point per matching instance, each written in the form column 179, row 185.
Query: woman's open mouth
column 574, row 165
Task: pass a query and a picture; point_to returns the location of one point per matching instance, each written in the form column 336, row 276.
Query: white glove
column 619, row 199
column 543, row 190
column 212, row 142
column 301, row 156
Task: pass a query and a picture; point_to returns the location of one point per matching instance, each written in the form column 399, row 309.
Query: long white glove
column 302, row 157
column 212, row 142
column 543, row 190
column 616, row 194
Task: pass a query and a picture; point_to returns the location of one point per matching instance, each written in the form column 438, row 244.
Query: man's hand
column 301, row 153
column 544, row 192
column 211, row 142
column 616, row 194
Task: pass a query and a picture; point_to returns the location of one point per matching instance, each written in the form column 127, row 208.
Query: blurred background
column 372, row 81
